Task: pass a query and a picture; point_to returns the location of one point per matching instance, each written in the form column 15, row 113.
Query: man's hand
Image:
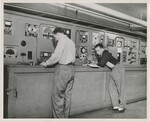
column 110, row 64
column 43, row 64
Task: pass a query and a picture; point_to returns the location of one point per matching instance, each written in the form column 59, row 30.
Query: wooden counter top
column 38, row 68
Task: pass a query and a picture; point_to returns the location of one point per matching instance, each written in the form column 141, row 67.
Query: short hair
column 58, row 30
column 99, row 45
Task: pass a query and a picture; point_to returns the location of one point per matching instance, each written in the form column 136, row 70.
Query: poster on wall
column 8, row 27
column 31, row 30
column 47, row 32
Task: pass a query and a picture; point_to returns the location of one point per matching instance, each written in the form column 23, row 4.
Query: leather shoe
column 121, row 110
column 115, row 108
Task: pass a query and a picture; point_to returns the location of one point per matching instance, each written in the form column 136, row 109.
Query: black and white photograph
column 74, row 60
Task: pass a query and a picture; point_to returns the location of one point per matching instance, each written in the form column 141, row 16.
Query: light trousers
column 116, row 86
column 61, row 96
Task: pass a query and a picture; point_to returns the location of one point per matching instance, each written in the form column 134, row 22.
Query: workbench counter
column 27, row 89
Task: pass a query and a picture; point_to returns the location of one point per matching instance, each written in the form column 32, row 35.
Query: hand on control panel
column 43, row 64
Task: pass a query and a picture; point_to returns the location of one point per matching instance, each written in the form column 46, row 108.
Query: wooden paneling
column 88, row 91
column 34, row 95
column 135, row 85
column 31, row 88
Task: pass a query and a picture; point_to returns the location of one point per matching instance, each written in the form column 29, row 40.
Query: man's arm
column 56, row 55
column 104, row 59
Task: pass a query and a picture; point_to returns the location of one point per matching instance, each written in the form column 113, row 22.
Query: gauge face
column 48, row 32
column 118, row 44
column 23, row 43
column 119, row 41
column 83, row 50
column 10, row 51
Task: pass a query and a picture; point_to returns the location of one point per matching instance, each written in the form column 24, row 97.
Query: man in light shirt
column 116, row 91
column 64, row 57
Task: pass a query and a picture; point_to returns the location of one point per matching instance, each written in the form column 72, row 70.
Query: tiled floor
column 133, row 110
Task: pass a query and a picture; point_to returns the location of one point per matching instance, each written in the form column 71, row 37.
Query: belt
column 70, row 63
column 67, row 64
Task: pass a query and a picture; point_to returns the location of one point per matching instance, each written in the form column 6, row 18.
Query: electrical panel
column 143, row 55
column 119, row 45
column 44, row 56
column 125, row 48
column 97, row 37
column 130, row 51
column 10, row 53
column 31, row 30
column 8, row 27
column 47, row 32
column 31, row 40
column 111, row 44
column 83, row 43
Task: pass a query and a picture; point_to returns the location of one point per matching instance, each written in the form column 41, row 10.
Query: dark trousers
column 116, row 86
column 61, row 96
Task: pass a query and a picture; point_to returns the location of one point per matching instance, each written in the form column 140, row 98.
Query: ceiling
column 137, row 10
column 74, row 14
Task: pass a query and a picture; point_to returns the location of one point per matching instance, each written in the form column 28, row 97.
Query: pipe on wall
column 137, row 28
column 110, row 12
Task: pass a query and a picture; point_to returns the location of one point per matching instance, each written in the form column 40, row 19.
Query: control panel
column 126, row 49
column 130, row 51
column 32, row 40
column 97, row 37
column 83, row 45
column 10, row 51
column 143, row 53
column 119, row 45
column 111, row 45
column 44, row 56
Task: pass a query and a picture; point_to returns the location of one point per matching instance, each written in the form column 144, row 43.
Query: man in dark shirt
column 115, row 86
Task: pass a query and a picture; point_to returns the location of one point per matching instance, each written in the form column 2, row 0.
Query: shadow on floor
column 134, row 110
